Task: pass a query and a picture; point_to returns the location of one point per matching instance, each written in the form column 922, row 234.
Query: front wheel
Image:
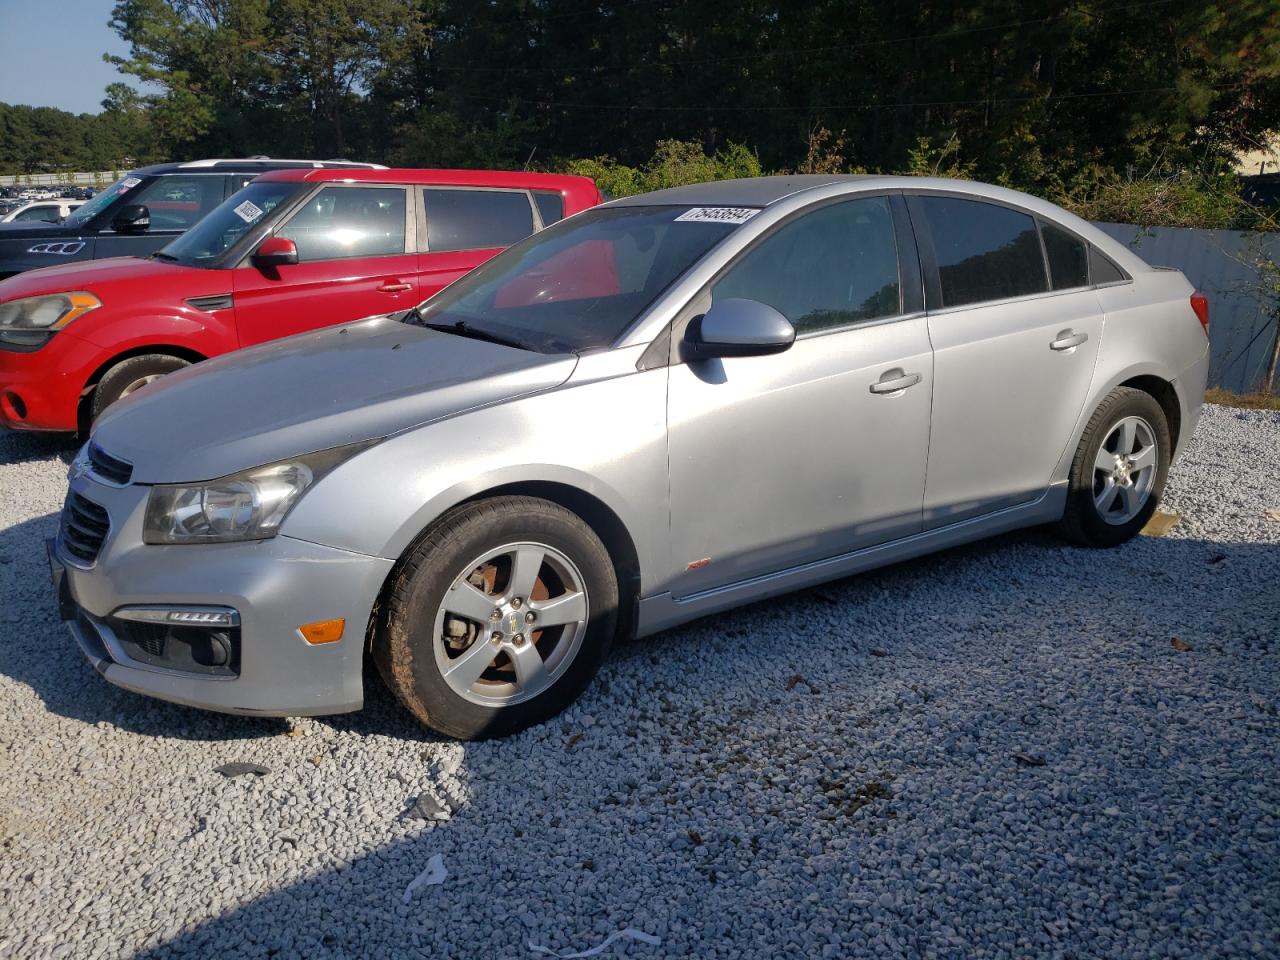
column 1119, row 470
column 130, row 375
column 498, row 618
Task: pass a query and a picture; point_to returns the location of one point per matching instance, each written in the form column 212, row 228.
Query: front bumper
column 40, row 390
column 275, row 585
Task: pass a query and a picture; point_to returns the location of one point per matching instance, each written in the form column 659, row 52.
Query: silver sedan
column 658, row 409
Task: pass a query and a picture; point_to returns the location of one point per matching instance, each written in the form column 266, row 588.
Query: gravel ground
column 997, row 751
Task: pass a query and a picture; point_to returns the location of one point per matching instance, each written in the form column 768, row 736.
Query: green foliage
column 1182, row 199
column 1073, row 101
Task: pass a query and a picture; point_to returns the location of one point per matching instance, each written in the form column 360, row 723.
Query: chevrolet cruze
column 657, row 409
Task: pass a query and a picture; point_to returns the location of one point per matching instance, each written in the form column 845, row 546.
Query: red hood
column 123, row 276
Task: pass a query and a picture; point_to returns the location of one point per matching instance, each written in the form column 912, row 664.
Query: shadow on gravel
column 22, row 447
column 356, row 910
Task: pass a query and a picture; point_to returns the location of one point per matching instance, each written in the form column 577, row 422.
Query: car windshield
column 91, row 208
column 227, row 223
column 579, row 284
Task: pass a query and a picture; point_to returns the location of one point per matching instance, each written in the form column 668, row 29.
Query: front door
column 1014, row 351
column 807, row 454
column 354, row 260
column 176, row 203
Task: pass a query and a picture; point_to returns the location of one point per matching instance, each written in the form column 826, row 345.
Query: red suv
column 292, row 251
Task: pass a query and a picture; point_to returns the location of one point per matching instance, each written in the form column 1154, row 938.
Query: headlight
column 33, row 320
column 244, row 506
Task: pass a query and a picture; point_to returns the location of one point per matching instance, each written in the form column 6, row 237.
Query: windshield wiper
column 161, row 255
column 463, row 329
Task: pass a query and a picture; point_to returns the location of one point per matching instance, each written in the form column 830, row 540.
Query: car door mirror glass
column 132, row 218
column 276, row 252
column 738, row 328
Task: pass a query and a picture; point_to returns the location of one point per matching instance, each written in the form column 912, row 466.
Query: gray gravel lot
column 700, row 792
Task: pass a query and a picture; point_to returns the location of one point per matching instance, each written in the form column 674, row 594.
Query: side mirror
column 738, row 328
column 276, row 252
column 132, row 218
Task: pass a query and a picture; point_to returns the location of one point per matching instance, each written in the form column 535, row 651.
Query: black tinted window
column 177, row 202
column 984, row 252
column 550, row 207
column 832, row 267
column 1068, row 257
column 340, row 222
column 476, row 219
column 1104, row 271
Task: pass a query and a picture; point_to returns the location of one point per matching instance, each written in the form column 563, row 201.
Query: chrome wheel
column 511, row 624
column 1125, row 470
column 139, row 384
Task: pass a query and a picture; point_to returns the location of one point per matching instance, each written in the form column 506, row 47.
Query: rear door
column 175, row 203
column 465, row 226
column 1014, row 351
column 355, row 260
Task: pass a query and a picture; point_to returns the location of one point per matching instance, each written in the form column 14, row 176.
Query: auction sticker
column 248, row 211
column 718, row 215
column 128, row 183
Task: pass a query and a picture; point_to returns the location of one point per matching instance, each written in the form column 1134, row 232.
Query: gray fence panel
column 1242, row 327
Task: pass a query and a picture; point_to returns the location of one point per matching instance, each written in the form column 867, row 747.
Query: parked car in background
column 140, row 213
column 292, row 251
column 660, row 409
column 42, row 211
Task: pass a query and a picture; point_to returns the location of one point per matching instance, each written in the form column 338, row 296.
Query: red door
column 465, row 226
column 437, row 270
column 352, row 263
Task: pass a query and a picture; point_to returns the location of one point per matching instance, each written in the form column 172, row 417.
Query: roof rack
column 205, row 164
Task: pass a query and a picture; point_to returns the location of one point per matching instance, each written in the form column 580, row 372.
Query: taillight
column 1200, row 304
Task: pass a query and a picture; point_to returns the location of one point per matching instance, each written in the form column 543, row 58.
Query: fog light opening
column 15, row 408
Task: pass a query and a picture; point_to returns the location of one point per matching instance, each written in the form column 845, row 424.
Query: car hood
column 343, row 384
column 95, row 275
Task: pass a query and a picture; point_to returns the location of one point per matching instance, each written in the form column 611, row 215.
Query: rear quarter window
column 550, row 207
column 984, row 251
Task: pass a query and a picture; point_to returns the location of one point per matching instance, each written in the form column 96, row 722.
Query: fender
column 400, row 486
column 205, row 333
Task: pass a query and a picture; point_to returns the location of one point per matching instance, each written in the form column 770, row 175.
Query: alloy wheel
column 1125, row 470
column 510, row 624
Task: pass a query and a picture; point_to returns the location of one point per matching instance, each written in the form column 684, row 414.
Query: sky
column 51, row 53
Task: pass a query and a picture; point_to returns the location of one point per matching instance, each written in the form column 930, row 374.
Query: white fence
column 99, row 179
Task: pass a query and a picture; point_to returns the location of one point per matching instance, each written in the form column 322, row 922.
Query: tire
column 127, row 375
column 433, row 615
column 1109, row 501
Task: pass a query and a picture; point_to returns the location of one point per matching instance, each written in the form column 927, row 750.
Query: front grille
column 109, row 468
column 84, row 527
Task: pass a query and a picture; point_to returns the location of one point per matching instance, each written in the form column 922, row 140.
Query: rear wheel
column 1119, row 470
column 498, row 618
column 130, row 375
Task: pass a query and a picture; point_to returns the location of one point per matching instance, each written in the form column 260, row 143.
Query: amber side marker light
column 324, row 631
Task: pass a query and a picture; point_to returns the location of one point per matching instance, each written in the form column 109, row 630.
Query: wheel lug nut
column 518, row 639
column 515, row 602
column 530, row 617
column 496, row 636
column 496, row 615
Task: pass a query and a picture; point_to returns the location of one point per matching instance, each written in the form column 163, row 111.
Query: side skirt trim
column 662, row 611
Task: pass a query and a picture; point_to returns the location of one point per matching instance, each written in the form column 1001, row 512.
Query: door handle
column 395, row 286
column 895, row 381
column 1067, row 340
